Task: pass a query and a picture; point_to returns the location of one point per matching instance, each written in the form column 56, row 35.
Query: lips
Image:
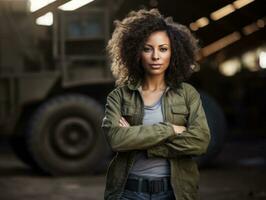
column 155, row 66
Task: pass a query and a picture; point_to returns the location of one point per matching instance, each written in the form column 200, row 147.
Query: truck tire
column 18, row 143
column 19, row 147
column 218, row 129
column 64, row 135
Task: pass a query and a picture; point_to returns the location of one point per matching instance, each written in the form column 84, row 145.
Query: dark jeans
column 130, row 195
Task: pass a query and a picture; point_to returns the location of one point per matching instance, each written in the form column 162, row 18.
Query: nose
column 155, row 55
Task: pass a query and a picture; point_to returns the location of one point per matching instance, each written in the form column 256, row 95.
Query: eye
column 163, row 49
column 147, row 49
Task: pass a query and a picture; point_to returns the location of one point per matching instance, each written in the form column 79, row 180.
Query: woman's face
column 156, row 53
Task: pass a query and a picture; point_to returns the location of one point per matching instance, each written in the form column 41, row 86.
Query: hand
column 179, row 129
column 123, row 122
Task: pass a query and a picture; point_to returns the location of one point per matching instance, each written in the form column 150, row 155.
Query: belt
column 148, row 185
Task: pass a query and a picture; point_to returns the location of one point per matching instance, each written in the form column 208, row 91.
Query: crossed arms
column 162, row 139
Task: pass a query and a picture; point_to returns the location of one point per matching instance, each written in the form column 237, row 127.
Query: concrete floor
column 238, row 173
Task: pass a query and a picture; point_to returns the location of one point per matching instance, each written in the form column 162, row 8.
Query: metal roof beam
column 50, row 7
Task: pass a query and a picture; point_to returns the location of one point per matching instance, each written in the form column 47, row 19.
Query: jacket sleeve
column 133, row 137
column 193, row 141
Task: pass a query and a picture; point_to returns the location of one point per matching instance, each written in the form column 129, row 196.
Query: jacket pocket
column 179, row 114
column 128, row 113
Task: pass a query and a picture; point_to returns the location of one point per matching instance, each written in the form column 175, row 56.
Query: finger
column 121, row 125
column 122, row 120
column 125, row 121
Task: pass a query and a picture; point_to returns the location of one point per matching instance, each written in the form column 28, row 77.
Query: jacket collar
column 137, row 86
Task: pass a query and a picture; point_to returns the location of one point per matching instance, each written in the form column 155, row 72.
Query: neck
column 154, row 83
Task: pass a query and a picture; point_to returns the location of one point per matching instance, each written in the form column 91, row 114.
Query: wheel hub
column 73, row 137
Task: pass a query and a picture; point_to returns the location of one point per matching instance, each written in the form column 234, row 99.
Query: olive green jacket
column 180, row 106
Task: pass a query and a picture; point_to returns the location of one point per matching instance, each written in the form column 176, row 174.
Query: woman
column 153, row 120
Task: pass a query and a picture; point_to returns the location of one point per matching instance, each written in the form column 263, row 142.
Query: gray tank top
column 151, row 167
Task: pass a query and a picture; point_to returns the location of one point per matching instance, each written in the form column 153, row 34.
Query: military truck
column 53, row 85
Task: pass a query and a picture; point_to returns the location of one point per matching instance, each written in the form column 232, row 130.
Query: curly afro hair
column 129, row 37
